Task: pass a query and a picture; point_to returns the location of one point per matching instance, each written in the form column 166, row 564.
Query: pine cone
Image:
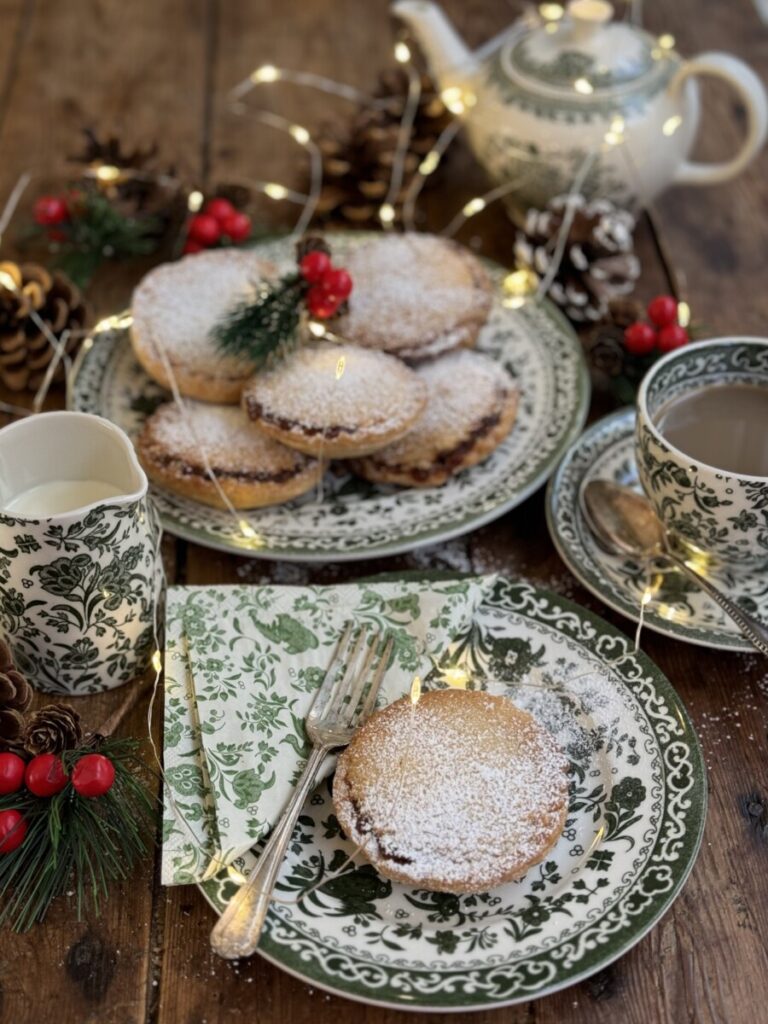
column 25, row 351
column 54, row 728
column 15, row 698
column 143, row 187
column 598, row 263
column 357, row 163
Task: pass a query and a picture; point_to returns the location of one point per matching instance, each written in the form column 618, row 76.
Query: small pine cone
column 52, row 729
column 28, row 290
column 605, row 351
column 598, row 264
column 15, row 691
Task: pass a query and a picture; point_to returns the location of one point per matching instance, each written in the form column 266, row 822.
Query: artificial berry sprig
column 271, row 324
column 664, row 332
column 219, row 223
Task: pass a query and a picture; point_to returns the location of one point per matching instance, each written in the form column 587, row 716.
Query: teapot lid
column 583, row 51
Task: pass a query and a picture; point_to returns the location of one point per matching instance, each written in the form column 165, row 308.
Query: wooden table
column 159, row 71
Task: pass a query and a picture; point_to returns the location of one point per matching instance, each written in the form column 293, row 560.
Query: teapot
column 580, row 102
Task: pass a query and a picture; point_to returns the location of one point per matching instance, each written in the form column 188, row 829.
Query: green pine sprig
column 74, row 842
column 266, row 327
column 98, row 231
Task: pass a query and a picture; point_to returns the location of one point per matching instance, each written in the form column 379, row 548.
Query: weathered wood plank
column 102, row 64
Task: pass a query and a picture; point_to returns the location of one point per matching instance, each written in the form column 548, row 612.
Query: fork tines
column 352, row 681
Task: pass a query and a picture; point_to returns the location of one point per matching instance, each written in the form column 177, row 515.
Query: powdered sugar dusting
column 464, row 388
column 224, row 433
column 328, row 385
column 458, row 791
column 177, row 304
column 413, row 289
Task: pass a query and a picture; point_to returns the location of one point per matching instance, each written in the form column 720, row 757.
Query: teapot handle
column 752, row 92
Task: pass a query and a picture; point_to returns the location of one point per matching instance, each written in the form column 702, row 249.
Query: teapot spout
column 443, row 47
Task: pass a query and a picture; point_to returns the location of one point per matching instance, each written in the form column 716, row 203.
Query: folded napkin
column 242, row 667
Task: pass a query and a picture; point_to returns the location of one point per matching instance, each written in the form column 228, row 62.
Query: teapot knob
column 588, row 17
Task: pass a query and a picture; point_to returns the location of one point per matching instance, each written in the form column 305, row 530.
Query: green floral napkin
column 241, row 669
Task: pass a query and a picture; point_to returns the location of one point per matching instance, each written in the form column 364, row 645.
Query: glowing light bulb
column 386, row 213
column 300, row 134
column 108, row 172
column 683, row 314
column 454, row 99
column 157, row 661
column 519, row 286
column 584, row 86
column 266, row 73
column 340, row 367
column 551, row 12
column 429, row 163
column 647, row 596
column 615, row 135
column 473, row 206
column 415, row 690
column 316, row 328
column 275, row 191
column 402, row 53
column 236, row 875
column 671, row 125
column 667, row 41
column 6, row 281
column 194, row 201
column 247, row 530
column 456, row 676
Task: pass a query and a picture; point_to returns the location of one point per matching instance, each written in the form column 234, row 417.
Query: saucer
column 677, row 607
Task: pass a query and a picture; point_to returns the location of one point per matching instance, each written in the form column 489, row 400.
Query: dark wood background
column 158, row 71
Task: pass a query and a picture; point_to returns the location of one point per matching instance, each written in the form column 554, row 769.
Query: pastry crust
column 415, row 295
column 471, row 408
column 335, row 401
column 174, row 309
column 459, row 793
column 252, row 470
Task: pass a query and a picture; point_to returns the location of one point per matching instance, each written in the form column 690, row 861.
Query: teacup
column 718, row 512
column 80, row 569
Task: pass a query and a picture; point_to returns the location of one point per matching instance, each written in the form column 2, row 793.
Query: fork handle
column 238, row 930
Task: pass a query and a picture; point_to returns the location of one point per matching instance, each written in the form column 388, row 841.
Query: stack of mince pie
column 404, row 398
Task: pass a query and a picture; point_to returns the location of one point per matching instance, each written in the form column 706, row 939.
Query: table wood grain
column 159, row 71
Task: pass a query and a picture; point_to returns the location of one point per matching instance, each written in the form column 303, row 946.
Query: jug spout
column 443, row 47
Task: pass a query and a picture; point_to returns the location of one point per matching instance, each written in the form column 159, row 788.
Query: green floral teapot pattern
column 575, row 98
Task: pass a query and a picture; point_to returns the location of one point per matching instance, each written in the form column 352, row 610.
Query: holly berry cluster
column 329, row 286
column 44, row 776
column 50, row 212
column 218, row 223
column 664, row 332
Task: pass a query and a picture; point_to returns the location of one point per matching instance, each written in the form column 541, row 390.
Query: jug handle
column 752, row 92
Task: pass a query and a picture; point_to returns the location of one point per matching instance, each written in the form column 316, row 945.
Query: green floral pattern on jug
column 636, row 813
column 355, row 519
column 77, row 601
column 678, row 608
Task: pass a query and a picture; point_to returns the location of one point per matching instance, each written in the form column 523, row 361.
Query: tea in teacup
column 723, row 425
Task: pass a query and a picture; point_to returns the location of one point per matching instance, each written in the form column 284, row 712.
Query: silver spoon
column 625, row 523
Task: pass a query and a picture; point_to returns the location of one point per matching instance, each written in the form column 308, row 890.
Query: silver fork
column 345, row 699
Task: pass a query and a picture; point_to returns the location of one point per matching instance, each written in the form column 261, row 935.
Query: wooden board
column 162, row 71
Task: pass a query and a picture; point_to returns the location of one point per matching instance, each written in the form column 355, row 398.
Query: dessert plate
column 636, row 814
column 352, row 519
column 677, row 607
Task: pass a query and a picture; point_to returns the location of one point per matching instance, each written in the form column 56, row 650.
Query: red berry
column 51, row 210
column 219, row 209
column 204, row 229
column 44, row 775
column 93, row 775
column 663, row 310
column 191, row 246
column 314, row 265
column 320, row 303
column 237, row 226
column 337, row 282
column 671, row 337
column 11, row 773
column 13, row 828
column 639, row 339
